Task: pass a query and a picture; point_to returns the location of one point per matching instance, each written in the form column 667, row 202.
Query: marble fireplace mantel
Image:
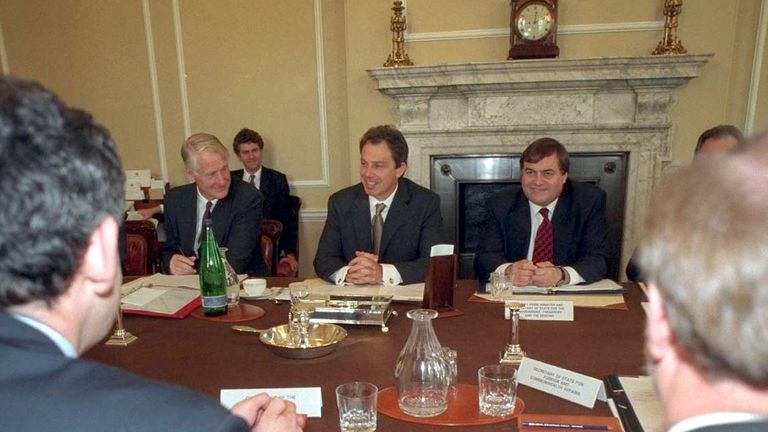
column 590, row 105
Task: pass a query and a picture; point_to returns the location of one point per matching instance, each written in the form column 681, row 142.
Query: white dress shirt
column 201, row 202
column 57, row 338
column 256, row 177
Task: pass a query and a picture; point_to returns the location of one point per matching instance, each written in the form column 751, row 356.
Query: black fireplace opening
column 465, row 182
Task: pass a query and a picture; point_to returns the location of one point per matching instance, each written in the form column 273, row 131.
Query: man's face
column 250, row 156
column 212, row 175
column 377, row 170
column 718, row 144
column 542, row 181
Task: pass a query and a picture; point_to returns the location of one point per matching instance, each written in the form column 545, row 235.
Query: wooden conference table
column 208, row 356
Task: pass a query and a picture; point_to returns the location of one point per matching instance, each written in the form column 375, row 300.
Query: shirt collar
column 372, row 201
column 201, row 200
column 712, row 419
column 57, row 338
column 535, row 208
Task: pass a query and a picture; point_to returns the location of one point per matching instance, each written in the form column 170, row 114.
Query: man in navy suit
column 59, row 285
column 273, row 185
column 704, row 256
column 575, row 213
column 234, row 207
column 409, row 220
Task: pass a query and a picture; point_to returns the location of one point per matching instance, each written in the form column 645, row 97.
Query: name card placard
column 544, row 311
column 308, row 400
column 563, row 383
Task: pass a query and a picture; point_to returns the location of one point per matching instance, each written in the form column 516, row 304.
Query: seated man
column 382, row 229
column 551, row 231
column 718, row 139
column 704, row 254
column 234, row 207
column 273, row 185
column 59, row 286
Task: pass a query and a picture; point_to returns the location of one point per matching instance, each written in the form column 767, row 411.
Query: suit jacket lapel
column 221, row 215
column 519, row 226
column 396, row 216
column 361, row 220
column 560, row 225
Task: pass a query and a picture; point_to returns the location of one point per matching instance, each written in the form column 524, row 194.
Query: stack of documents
column 161, row 295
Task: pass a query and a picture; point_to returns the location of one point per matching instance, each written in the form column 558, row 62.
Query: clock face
column 534, row 22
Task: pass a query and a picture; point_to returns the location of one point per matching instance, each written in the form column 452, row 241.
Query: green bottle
column 213, row 279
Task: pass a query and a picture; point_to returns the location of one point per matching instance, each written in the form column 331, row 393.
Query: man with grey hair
column 234, row 207
column 705, row 255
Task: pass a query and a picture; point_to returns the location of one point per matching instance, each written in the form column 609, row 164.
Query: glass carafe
column 233, row 285
column 422, row 374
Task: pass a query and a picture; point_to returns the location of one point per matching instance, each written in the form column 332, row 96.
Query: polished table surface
column 208, row 356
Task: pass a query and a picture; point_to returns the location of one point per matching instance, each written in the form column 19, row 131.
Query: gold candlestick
column 120, row 337
column 670, row 44
column 513, row 354
column 398, row 56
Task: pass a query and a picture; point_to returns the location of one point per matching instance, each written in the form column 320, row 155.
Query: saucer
column 268, row 294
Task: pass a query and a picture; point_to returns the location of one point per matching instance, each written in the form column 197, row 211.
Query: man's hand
column 364, row 269
column 182, row 265
column 547, row 275
column 147, row 213
column 265, row 413
column 521, row 272
column 288, row 265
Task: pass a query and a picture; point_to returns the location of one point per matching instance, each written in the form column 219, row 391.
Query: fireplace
column 612, row 114
column 464, row 183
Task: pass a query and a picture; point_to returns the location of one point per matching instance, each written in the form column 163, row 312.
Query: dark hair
column 720, row 131
column 246, row 136
column 544, row 147
column 60, row 177
column 394, row 139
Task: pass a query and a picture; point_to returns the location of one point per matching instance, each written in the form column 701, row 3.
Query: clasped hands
column 525, row 272
column 364, row 269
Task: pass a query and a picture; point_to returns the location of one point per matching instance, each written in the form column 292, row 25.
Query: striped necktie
column 543, row 247
column 377, row 227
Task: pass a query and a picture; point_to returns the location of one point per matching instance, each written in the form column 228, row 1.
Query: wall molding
column 313, row 215
column 321, row 92
column 161, row 150
column 3, row 54
column 757, row 67
column 561, row 30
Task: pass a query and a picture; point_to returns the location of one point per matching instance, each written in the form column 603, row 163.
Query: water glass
column 357, row 406
column 500, row 286
column 497, row 389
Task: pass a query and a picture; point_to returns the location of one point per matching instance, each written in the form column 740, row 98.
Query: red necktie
column 206, row 215
column 543, row 247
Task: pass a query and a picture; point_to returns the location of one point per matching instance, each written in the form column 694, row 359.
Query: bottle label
column 214, row 301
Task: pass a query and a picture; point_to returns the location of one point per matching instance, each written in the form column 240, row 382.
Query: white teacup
column 254, row 287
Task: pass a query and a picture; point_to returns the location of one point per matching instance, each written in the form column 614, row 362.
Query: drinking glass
column 357, row 406
column 501, row 286
column 497, row 386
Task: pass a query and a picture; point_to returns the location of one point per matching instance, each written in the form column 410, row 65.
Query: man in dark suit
column 234, row 207
column 59, row 285
column 273, row 185
column 551, row 231
column 379, row 231
column 704, row 255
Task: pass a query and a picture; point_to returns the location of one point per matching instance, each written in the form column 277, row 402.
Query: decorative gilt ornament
column 120, row 336
column 398, row 56
column 670, row 44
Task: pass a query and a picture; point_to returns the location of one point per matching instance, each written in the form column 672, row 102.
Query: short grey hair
column 198, row 143
column 706, row 249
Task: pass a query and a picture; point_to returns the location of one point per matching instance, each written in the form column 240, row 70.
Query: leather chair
column 271, row 230
column 142, row 249
column 283, row 269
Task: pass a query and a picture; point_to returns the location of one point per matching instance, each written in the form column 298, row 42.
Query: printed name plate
column 308, row 400
column 544, row 311
column 565, row 384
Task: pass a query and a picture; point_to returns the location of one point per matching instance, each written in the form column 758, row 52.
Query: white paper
column 563, row 383
column 143, row 177
column 544, row 311
column 441, row 250
column 605, row 285
column 142, row 296
column 308, row 400
column 645, row 402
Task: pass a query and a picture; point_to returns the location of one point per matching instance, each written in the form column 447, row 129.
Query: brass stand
column 398, row 57
column 120, row 336
column 670, row 44
column 513, row 354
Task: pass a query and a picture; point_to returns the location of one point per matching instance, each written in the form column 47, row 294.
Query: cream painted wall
column 151, row 69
